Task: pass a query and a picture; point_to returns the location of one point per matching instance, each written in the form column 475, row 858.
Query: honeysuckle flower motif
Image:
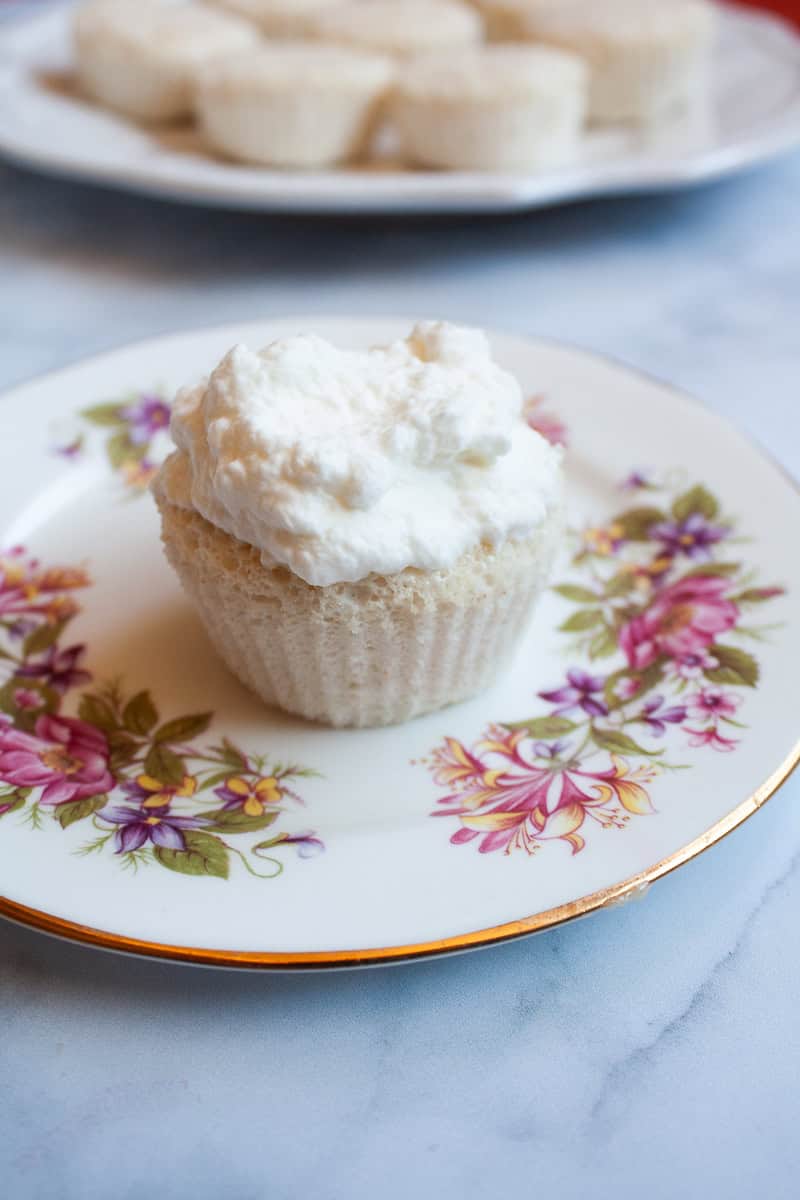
column 683, row 618
column 145, row 417
column 710, row 703
column 250, row 796
column 151, row 793
column 657, row 715
column 136, row 826
column 64, row 756
column 580, row 691
column 711, row 737
column 58, row 669
column 521, row 805
column 694, row 536
column 692, row 665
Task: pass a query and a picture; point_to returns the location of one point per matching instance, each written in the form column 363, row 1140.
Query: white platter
column 752, row 114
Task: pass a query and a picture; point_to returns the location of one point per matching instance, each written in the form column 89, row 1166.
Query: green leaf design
column 43, row 638
column 735, row 666
column 697, row 500
column 140, row 714
column 75, row 810
column 711, row 568
column 619, row 742
column 543, row 727
column 620, row 584
column 183, row 729
column 636, row 523
column 585, row 618
column 104, row 414
column 120, row 449
column 603, row 644
column 14, row 799
column 164, row 765
column 204, row 855
column 236, row 821
column 757, row 595
column 97, row 712
column 573, row 591
column 123, row 749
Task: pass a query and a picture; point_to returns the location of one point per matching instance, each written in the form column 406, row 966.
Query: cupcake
column 364, row 533
column 399, row 27
column 277, row 18
column 140, row 57
column 293, row 104
column 646, row 57
column 491, row 108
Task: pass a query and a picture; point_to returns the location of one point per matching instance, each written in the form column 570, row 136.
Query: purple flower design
column 307, row 842
column 135, row 826
column 658, row 717
column 58, row 669
column 693, row 536
column 28, row 700
column 635, row 481
column 549, row 749
column 146, row 417
column 578, row 692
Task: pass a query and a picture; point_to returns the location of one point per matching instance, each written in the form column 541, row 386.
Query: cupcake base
column 376, row 652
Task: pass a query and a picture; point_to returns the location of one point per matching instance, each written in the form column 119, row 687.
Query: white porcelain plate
column 752, row 114
column 149, row 803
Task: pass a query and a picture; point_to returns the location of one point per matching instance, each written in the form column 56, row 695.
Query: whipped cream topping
column 341, row 463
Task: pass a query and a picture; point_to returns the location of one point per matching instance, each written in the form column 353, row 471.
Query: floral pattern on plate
column 134, row 440
column 145, row 788
column 660, row 595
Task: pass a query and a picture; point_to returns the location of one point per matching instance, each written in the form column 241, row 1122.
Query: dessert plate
column 150, row 804
column 752, row 114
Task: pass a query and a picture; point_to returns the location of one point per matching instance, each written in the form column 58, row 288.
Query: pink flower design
column 28, row 700
column 519, row 804
column 711, row 703
column 710, row 737
column 551, row 427
column 66, row 757
column 692, row 666
column 683, row 618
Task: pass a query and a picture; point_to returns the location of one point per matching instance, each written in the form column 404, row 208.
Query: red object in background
column 789, row 9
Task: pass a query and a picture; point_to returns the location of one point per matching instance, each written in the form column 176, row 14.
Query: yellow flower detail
column 601, row 540
column 160, row 794
column 626, row 786
column 256, row 796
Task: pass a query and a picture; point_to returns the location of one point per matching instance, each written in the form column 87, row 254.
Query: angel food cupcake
column 364, row 533
column 277, row 18
column 645, row 56
column 293, row 105
column 140, row 57
column 500, row 108
column 398, row 27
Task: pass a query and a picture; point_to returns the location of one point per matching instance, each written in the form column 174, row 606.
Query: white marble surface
column 651, row 1051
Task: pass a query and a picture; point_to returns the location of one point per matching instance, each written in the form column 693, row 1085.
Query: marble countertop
column 650, row 1051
